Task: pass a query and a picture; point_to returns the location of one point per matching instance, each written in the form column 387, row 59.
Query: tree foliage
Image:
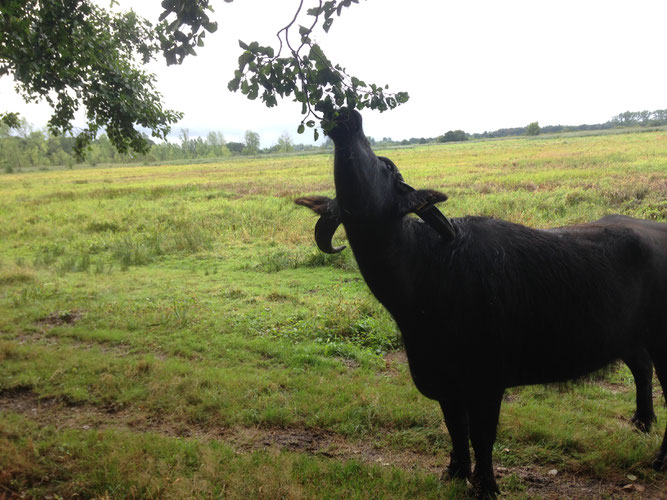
column 296, row 67
column 251, row 143
column 533, row 129
column 285, row 143
column 453, row 136
column 183, row 26
column 77, row 55
column 646, row 117
column 306, row 74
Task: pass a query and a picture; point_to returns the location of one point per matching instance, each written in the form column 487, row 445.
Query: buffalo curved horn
column 430, row 214
column 324, row 231
column 434, row 218
column 328, row 222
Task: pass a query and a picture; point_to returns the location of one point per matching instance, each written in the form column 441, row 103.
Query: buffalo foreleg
column 456, row 420
column 484, row 411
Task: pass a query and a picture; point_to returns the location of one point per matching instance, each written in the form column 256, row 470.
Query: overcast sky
column 474, row 65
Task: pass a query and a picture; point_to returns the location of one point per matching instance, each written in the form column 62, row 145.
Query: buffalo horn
column 324, row 231
column 434, row 218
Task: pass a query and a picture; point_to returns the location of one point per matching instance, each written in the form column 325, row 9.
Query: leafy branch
column 183, row 26
column 306, row 74
column 73, row 54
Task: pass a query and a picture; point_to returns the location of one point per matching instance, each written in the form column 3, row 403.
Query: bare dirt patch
column 540, row 482
column 396, row 357
column 58, row 318
column 394, row 361
column 535, row 481
column 350, row 363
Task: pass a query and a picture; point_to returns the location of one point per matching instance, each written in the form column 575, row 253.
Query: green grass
column 139, row 304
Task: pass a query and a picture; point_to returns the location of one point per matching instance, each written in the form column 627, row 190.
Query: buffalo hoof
column 660, row 462
column 484, row 486
column 457, row 470
column 643, row 423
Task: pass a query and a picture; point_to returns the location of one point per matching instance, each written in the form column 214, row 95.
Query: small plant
column 74, row 264
column 48, row 253
column 130, row 252
column 179, row 312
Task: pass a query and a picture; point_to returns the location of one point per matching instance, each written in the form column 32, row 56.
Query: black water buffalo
column 484, row 304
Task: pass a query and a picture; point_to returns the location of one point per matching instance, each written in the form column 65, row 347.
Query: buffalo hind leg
column 641, row 367
column 484, row 412
column 660, row 462
column 456, row 420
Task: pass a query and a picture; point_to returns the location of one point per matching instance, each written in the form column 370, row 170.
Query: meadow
column 172, row 331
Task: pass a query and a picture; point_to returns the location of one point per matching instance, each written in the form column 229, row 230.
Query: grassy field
column 172, row 331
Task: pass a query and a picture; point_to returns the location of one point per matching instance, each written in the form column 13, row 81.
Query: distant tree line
column 22, row 147
column 627, row 119
column 453, row 136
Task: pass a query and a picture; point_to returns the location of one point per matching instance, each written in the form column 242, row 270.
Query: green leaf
column 244, row 59
column 233, row 85
column 301, row 129
column 211, row 27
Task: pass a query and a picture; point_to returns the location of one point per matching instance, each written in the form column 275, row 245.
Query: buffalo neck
column 387, row 255
column 359, row 193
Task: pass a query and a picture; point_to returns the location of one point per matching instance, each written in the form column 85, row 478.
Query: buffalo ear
column 422, row 202
column 328, row 222
column 321, row 205
column 418, row 199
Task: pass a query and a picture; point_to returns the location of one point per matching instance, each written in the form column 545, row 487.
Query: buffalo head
column 370, row 191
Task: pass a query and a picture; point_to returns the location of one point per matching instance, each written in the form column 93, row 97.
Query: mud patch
column 313, row 441
column 59, row 318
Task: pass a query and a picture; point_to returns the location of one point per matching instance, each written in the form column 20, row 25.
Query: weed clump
column 282, row 259
column 103, row 227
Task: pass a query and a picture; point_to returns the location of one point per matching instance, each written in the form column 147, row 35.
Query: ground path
column 540, row 482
